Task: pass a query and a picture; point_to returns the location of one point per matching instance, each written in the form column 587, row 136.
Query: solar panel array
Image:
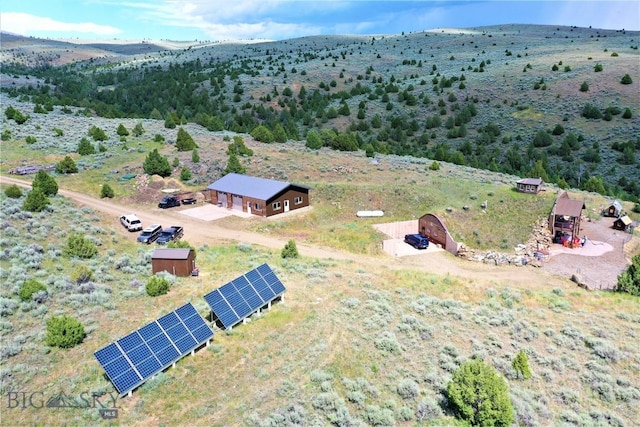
column 237, row 299
column 134, row 358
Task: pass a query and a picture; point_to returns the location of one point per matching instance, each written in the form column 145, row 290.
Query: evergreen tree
column 313, row 140
column 290, row 250
column 234, row 166
column 279, row 134
column 36, row 201
column 156, row 164
column 521, row 365
column 106, row 191
column 262, row 134
column 195, row 157
column 67, row 165
column 97, row 134
column 79, row 247
column 626, row 80
column 629, row 280
column 45, row 182
column 122, row 131
column 169, row 123
column 85, row 147
column 479, row 396
column 184, row 141
column 185, row 174
column 138, row 129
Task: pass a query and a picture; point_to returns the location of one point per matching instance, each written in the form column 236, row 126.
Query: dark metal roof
column 250, row 186
column 171, row 253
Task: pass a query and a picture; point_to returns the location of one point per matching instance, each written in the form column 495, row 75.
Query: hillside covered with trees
column 553, row 102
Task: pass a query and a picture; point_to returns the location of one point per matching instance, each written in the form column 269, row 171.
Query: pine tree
column 156, row 164
column 234, row 166
column 36, row 201
column 521, row 365
column 106, row 191
column 85, row 147
column 184, row 141
column 45, row 182
column 67, row 165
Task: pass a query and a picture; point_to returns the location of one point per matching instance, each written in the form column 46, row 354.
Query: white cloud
column 26, row 24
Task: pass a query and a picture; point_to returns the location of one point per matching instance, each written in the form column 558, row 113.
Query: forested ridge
column 516, row 99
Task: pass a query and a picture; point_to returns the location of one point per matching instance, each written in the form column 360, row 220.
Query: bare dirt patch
column 599, row 262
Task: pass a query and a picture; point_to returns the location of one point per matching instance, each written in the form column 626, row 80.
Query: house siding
column 265, row 207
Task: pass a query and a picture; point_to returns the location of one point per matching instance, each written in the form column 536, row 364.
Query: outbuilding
column 529, row 185
column 177, row 261
column 564, row 221
column 623, row 223
column 431, row 226
column 258, row 196
column 613, row 210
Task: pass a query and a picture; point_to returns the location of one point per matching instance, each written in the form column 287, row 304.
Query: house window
column 257, row 206
column 297, row 200
column 276, row 206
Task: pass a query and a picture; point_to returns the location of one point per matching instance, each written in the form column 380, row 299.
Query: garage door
column 222, row 199
column 237, row 202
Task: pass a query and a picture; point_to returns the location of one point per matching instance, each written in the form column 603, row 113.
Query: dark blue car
column 418, row 241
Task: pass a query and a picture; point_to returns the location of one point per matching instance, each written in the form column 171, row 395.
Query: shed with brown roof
column 177, row 261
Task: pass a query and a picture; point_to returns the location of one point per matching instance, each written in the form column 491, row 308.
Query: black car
column 418, row 241
column 169, row 202
column 170, row 234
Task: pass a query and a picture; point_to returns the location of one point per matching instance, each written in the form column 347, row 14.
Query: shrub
column 479, row 396
column 597, row 68
column 263, row 134
column 290, row 250
column 584, row 87
column 157, row 285
column 591, row 112
column 79, row 247
column 29, row 288
column 195, row 157
column 313, row 140
column 82, row 274
column 106, row 191
column 434, row 166
column 13, row 191
column 521, row 365
column 626, row 80
column 408, row 389
column 627, row 113
column 35, row 201
column 30, row 139
column 64, row 332
column 629, row 280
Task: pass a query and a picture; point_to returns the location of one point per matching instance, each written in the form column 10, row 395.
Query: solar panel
column 235, row 300
column 134, row 358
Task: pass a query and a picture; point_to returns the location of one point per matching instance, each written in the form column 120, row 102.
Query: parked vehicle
column 189, row 201
column 131, row 222
column 418, row 241
column 150, row 234
column 170, row 234
column 169, row 201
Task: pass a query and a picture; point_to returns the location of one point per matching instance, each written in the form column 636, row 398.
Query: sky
column 220, row 20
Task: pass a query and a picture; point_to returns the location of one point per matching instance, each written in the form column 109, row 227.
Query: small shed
column 623, row 223
column 258, row 196
column 613, row 210
column 177, row 261
column 529, row 185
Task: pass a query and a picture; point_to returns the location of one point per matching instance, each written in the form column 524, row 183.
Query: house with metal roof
column 529, row 185
column 258, row 196
column 623, row 223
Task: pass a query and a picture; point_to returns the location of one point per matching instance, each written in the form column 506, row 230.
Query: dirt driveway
column 599, row 262
column 199, row 232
